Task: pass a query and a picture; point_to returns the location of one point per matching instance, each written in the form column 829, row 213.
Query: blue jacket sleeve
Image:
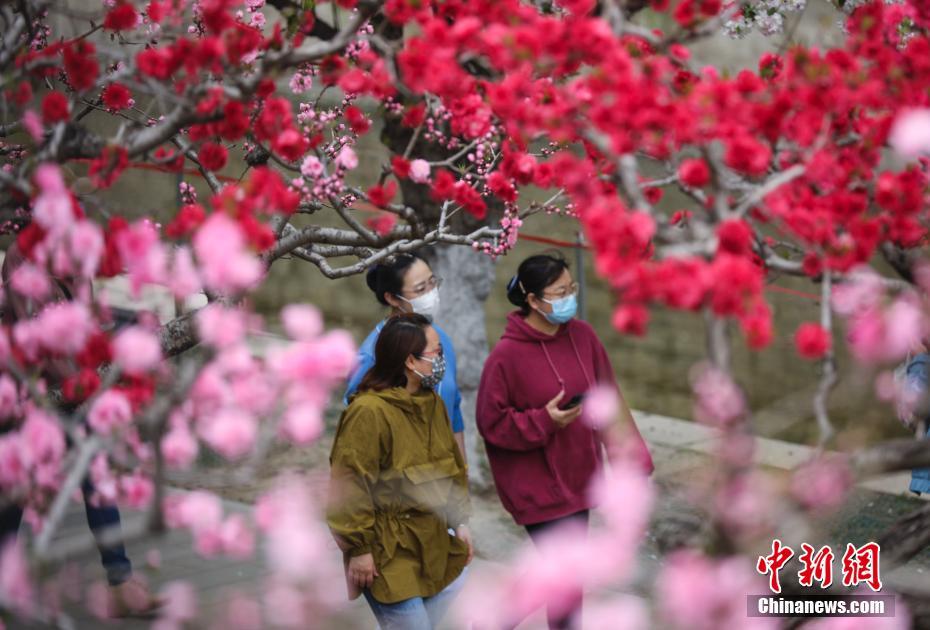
column 365, row 361
column 450, row 386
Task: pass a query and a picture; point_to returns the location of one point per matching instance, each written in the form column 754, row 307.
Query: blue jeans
column 99, row 518
column 417, row 613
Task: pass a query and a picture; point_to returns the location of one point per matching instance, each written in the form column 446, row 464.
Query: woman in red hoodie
column 542, row 455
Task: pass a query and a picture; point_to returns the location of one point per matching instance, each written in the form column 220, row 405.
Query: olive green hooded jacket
column 398, row 484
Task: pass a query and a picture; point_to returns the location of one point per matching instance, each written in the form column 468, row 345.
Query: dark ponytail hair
column 533, row 276
column 388, row 276
column 401, row 336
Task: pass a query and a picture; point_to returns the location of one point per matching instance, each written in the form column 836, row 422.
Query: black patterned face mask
column 430, row 381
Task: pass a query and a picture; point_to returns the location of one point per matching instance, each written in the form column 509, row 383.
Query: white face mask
column 426, row 304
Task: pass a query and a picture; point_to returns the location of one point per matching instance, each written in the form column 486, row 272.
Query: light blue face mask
column 563, row 309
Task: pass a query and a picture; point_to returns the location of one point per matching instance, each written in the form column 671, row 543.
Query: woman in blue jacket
column 406, row 284
column 918, row 378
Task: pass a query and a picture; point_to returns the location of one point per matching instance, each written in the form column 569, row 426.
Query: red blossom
column 212, row 156
column 734, row 236
column 400, row 167
column 235, row 122
column 116, row 97
column 357, row 120
column 811, row 340
column 414, row 116
column 290, row 144
column 443, row 185
column 383, row 223
column 80, row 59
column 22, row 94
column 55, row 108
column 501, row 187
column 694, row 172
column 381, row 196
column 632, row 319
column 158, row 10
column 122, row 17
column 186, row 221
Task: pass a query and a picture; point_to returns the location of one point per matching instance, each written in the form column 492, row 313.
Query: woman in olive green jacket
column 399, row 484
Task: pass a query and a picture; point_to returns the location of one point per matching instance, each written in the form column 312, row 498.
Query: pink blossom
column 296, row 540
column 179, row 447
column 243, row 613
column 33, row 125
column 229, row 432
column 419, row 171
column 330, row 357
column 702, row 594
column 285, row 606
column 822, row 484
column 65, row 327
column 237, row 537
column 198, row 510
column 221, row 326
column 347, row 158
column 9, row 397
column 99, row 600
column 111, row 410
column 143, row 254
column 52, row 208
column 14, row 471
column 42, row 437
column 30, row 281
column 745, row 504
column 27, row 337
column 302, row 423
column 253, row 393
column 226, row 264
column 905, row 326
column 87, row 247
column 910, row 133
column 137, row 490
column 866, row 336
column 864, row 290
column 104, row 481
column 16, row 589
column 136, row 350
column 601, row 405
column 180, row 602
column 718, row 400
column 184, row 281
column 302, row 321
column 311, row 167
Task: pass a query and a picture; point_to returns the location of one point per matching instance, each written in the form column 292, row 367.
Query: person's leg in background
column 438, row 605
column 131, row 597
column 409, row 614
column 105, row 520
column 559, row 620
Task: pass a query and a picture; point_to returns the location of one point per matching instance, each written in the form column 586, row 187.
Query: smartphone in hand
column 574, row 402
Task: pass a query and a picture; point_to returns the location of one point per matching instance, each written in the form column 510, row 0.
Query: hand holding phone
column 574, row 402
column 562, row 417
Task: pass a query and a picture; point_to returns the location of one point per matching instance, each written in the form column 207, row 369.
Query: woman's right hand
column 562, row 417
column 362, row 570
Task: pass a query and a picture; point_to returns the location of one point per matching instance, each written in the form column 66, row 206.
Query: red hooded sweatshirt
column 542, row 472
